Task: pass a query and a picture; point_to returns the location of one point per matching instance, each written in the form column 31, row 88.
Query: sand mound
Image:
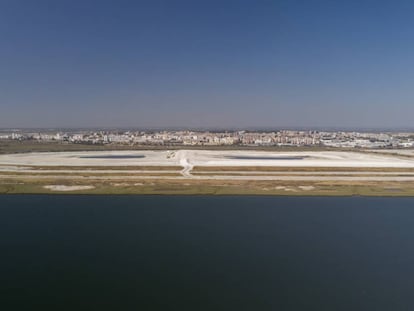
column 306, row 188
column 67, row 188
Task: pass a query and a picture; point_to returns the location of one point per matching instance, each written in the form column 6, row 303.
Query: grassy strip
column 97, row 168
column 13, row 146
column 298, row 169
column 283, row 174
column 86, row 174
column 212, row 187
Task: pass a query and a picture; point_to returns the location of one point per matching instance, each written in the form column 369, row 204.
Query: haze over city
column 206, row 64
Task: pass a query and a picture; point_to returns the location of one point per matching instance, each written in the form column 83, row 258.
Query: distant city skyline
column 207, row 64
column 283, row 138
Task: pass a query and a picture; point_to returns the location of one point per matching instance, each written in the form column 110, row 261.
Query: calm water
column 206, row 253
column 112, row 156
column 266, row 158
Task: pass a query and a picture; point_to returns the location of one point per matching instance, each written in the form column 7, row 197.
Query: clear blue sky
column 206, row 63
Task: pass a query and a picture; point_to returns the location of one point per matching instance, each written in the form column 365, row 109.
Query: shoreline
column 209, row 172
column 360, row 190
column 203, row 195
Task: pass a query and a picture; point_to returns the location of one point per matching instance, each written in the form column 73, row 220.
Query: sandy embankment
column 67, row 188
column 187, row 159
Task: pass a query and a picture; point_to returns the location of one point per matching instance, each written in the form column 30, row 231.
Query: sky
column 226, row 64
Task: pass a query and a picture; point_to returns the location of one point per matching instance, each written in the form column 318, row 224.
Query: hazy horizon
column 207, row 64
column 210, row 129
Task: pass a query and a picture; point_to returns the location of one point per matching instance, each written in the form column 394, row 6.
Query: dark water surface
column 266, row 158
column 206, row 253
column 112, row 156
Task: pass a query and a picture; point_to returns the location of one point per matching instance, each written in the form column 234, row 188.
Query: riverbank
column 206, row 172
column 181, row 186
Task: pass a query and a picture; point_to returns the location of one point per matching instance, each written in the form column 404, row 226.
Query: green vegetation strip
column 96, row 168
column 86, row 174
column 298, row 169
column 14, row 146
column 283, row 174
column 212, row 187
